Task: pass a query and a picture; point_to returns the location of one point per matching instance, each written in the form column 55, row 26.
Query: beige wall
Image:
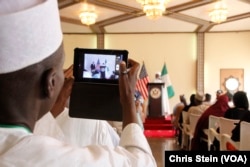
column 177, row 50
column 72, row 41
column 222, row 50
column 226, row 50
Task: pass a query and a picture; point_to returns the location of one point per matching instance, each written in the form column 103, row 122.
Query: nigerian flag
column 166, row 79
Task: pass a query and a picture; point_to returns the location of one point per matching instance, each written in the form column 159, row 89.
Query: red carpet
column 159, row 133
column 159, row 127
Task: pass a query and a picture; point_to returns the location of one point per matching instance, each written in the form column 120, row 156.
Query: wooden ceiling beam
column 238, row 17
column 65, row 3
column 132, row 12
column 70, row 20
column 115, row 6
column 189, row 5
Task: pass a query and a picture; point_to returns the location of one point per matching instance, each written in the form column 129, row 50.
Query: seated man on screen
column 31, row 78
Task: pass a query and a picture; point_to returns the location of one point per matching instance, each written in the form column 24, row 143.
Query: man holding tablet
column 31, row 77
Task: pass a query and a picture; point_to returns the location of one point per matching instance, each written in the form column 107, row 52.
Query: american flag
column 141, row 84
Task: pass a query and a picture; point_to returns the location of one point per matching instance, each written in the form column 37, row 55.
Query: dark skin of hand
column 127, row 84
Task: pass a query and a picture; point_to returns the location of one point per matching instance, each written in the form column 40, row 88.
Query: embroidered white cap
column 199, row 96
column 30, row 31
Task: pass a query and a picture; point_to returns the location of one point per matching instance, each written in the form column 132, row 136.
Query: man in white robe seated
column 31, row 77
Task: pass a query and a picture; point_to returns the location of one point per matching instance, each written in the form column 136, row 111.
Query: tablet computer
column 95, row 92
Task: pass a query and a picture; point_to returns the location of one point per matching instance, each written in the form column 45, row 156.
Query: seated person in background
column 178, row 108
column 218, row 93
column 199, row 107
column 218, row 109
column 177, row 111
column 236, row 131
column 208, row 98
column 241, row 104
column 31, row 78
column 186, row 108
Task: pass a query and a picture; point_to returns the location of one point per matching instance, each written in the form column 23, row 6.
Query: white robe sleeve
column 134, row 141
column 18, row 148
column 76, row 129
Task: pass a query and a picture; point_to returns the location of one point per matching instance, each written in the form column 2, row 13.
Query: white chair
column 193, row 119
column 244, row 136
column 226, row 126
column 225, row 138
column 185, row 124
column 243, row 144
column 185, row 117
column 213, row 124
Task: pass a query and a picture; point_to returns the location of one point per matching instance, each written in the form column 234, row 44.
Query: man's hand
column 127, row 82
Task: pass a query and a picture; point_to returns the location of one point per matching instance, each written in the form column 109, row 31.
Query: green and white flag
column 169, row 90
column 166, row 79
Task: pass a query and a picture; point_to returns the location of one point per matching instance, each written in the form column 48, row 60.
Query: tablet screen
column 98, row 65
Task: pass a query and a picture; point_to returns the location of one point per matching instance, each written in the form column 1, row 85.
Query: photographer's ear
column 48, row 83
